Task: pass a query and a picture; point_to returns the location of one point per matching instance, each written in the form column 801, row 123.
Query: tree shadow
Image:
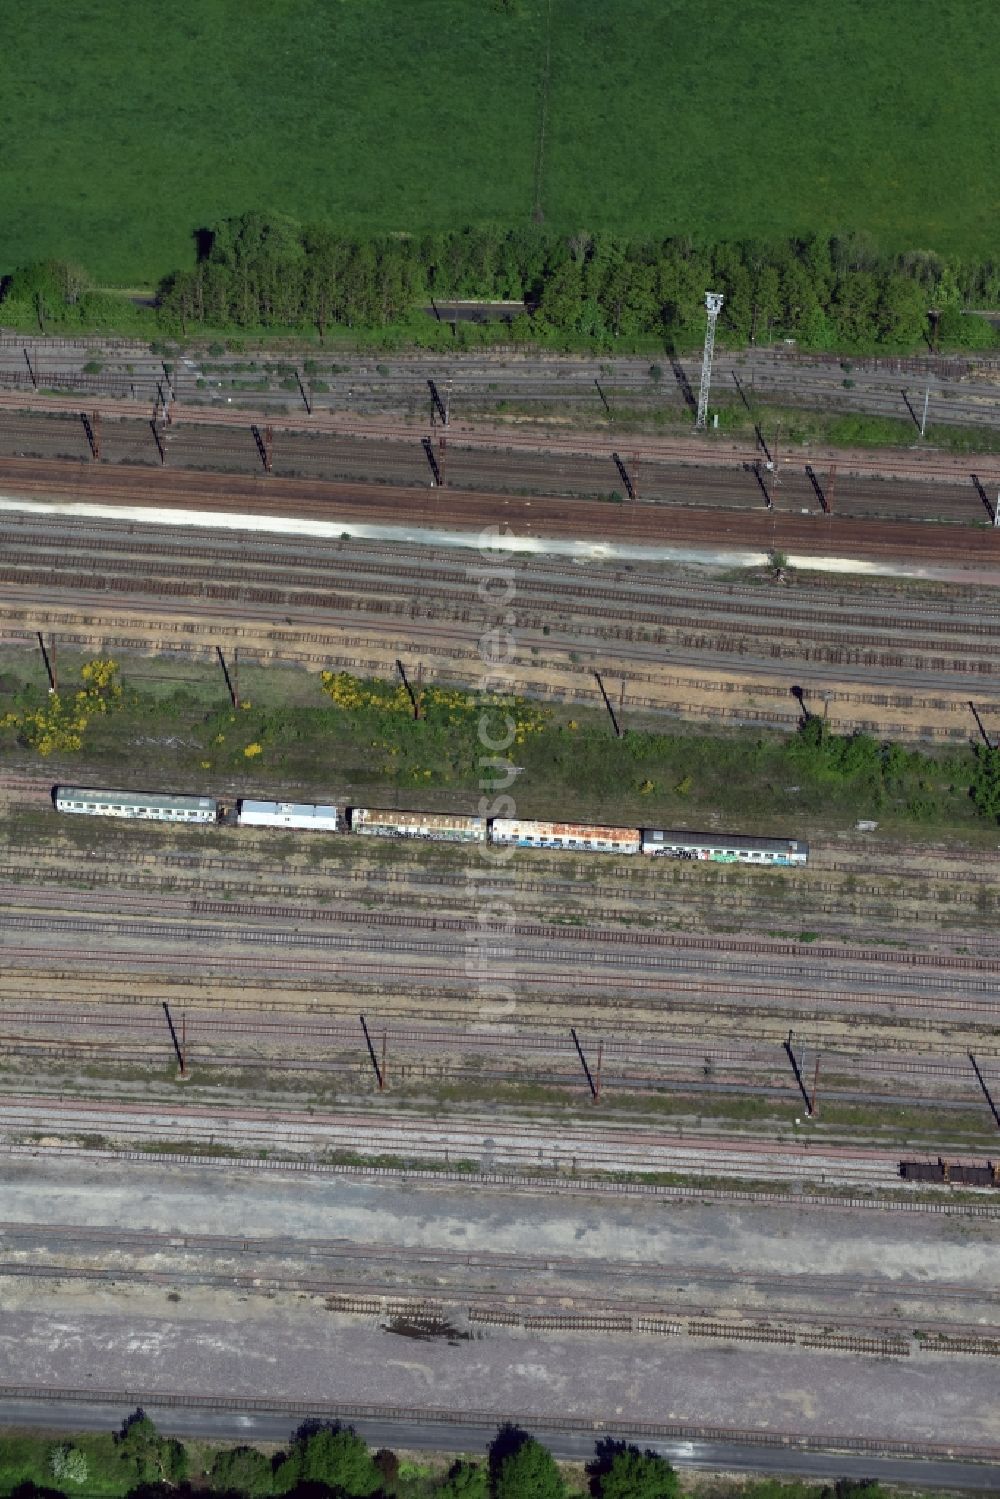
column 204, row 242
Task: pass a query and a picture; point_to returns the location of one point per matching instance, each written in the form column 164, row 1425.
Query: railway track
column 962, row 390
column 599, row 589
column 169, row 870
column 609, row 987
column 416, row 625
column 399, row 458
column 765, row 1011
column 529, row 1146
column 699, row 1057
column 614, row 617
column 823, row 894
column 621, row 1081
column 556, row 938
column 708, row 904
column 605, row 581
column 539, row 517
column 539, row 1311
column 312, row 905
column 57, row 1237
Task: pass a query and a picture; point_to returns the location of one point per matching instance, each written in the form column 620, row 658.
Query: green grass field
column 127, row 127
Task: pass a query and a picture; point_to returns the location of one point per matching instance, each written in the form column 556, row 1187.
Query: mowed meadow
column 126, row 128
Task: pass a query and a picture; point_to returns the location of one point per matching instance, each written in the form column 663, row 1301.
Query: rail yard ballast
column 434, row 827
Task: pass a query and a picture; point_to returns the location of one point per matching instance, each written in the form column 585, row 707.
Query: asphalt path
column 469, row 1437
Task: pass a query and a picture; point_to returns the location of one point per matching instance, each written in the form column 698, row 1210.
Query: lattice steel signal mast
column 713, row 304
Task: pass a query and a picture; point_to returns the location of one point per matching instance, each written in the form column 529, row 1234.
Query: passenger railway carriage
column 150, row 806
column 583, row 837
column 440, row 827
column 724, row 848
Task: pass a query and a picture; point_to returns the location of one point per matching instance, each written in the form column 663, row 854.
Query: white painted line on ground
column 580, row 550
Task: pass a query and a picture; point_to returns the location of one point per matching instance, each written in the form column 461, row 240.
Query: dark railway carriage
column 952, row 1173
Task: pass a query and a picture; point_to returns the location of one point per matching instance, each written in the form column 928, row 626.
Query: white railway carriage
column 150, row 806
column 582, row 837
column 312, row 816
column 437, row 827
column 725, row 848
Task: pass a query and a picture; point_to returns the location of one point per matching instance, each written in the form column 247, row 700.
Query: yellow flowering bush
column 353, row 696
column 448, row 707
column 252, row 750
column 61, row 723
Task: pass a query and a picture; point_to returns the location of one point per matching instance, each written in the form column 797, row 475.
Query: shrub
column 985, row 790
column 242, row 1470
column 465, row 1481
column 69, row 1465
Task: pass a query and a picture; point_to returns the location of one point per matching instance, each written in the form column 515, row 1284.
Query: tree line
column 329, row 1461
column 259, row 271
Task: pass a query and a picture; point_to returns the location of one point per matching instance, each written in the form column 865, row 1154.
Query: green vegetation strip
column 589, row 291
column 327, row 1457
column 341, row 738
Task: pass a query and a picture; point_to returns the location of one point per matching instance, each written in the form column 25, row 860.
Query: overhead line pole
column 713, row 306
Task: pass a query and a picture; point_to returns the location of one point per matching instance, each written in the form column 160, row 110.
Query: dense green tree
column 50, row 290
column 562, row 299
column 148, row 1457
column 767, row 302
column 331, row 1455
column 521, row 1468
column 620, row 1471
column 902, row 310
column 854, row 304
